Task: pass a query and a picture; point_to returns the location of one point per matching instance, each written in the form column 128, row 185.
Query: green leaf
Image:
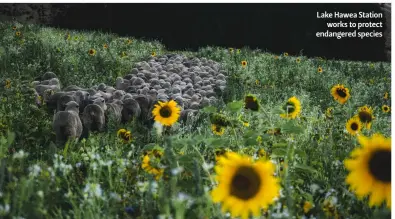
column 279, row 152
column 291, row 127
column 235, row 106
column 280, row 145
column 305, row 168
column 209, row 109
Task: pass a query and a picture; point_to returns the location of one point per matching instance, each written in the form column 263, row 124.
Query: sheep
column 131, row 109
column 93, row 118
column 67, row 124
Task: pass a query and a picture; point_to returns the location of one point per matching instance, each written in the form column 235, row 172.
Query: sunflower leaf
column 235, row 106
column 291, row 127
column 209, row 109
column 305, row 168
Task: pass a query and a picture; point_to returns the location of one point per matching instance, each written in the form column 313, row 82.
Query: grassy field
column 102, row 177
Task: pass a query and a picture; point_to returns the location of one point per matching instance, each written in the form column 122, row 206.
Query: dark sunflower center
column 385, row 108
column 217, row 128
column 354, row 126
column 341, row 92
column 380, row 165
column 251, row 104
column 165, row 112
column 365, row 116
column 289, row 107
column 245, row 183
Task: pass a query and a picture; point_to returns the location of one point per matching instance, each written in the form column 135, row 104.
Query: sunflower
column 123, row 54
column 329, row 112
column 298, row 60
column 365, row 114
column 275, row 57
column 386, row 109
column 246, row 124
column 231, row 50
column 244, row 63
column 13, row 27
column 67, row 36
column 340, row 93
column 319, row 69
column 251, row 102
column 307, row 206
column 153, row 54
column 124, row 135
column 244, row 186
column 166, row 113
column 105, row 46
column 262, row 154
column 354, row 125
column 7, row 83
column 370, row 169
column 256, row 82
column 129, row 41
column 259, row 140
column 285, row 54
column 217, row 129
column 385, row 96
column 292, row 108
column 220, row 152
column 18, row 33
column 151, row 161
column 238, row 51
column 92, row 52
column 330, row 209
column 219, row 119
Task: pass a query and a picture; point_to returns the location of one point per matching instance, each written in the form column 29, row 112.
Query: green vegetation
column 102, row 177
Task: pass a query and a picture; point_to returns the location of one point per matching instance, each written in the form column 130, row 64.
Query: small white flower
column 40, row 194
column 115, row 196
column 159, row 128
column 35, row 170
column 207, row 166
column 20, row 155
column 177, row 171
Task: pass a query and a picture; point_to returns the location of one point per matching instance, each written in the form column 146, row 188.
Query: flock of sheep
column 192, row 82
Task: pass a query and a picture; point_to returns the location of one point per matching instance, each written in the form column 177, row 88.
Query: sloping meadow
column 105, row 177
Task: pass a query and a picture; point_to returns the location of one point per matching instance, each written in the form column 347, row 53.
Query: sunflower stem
column 287, row 181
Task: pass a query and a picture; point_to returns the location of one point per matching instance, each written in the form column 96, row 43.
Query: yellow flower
column 298, row 60
column 259, row 139
column 151, row 162
column 238, row 51
column 218, row 129
column 329, row 112
column 124, row 135
column 105, row 46
column 370, row 169
column 275, row 57
column 244, row 186
column 262, row 154
column 153, row 54
column 251, row 102
column 386, row 96
column 231, row 50
column 246, row 124
column 13, row 27
column 292, row 108
column 365, row 115
column 307, row 206
column 354, row 125
column 319, row 69
column 340, row 93
column 243, row 63
column 92, row 52
column 386, row 109
column 166, row 113
column 7, row 83
column 18, row 33
column 256, row 82
column 123, row 54
column 285, row 54
column 129, row 41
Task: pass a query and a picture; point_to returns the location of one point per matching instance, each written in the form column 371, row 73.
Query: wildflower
column 129, row 41
column 372, row 163
column 13, row 27
column 285, row 54
column 340, row 93
column 319, row 69
column 105, row 46
column 298, row 60
column 386, row 109
column 354, row 125
column 124, row 135
column 243, row 63
column 166, row 113
column 8, row 83
column 18, row 33
column 235, row 173
column 231, row 50
column 153, row 54
column 92, row 52
column 292, row 108
column 218, row 129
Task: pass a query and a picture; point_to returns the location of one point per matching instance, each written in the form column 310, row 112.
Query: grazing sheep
column 67, row 124
column 63, row 100
column 114, row 112
column 48, row 75
column 93, row 118
column 131, row 109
